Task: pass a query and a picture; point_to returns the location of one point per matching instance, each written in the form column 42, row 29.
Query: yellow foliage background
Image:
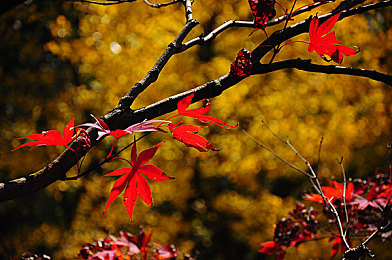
column 64, row 60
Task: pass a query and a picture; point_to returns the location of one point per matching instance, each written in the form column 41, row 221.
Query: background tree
column 64, row 59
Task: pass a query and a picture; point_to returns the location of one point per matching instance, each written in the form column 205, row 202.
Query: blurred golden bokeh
column 63, row 60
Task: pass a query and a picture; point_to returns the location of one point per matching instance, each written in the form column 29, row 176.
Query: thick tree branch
column 122, row 116
column 153, row 74
column 116, row 119
column 280, row 36
column 306, row 65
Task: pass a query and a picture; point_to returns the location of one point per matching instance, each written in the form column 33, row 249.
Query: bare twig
column 287, row 142
column 344, row 193
column 319, row 156
column 163, row 4
column 277, row 48
column 340, row 227
column 312, row 178
column 277, row 156
column 98, row 166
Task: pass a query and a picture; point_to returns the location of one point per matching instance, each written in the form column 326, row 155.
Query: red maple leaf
column 52, row 137
column 242, row 66
column 324, row 42
column 103, row 129
column 263, row 10
column 198, row 113
column 183, row 134
column 335, row 191
column 133, row 181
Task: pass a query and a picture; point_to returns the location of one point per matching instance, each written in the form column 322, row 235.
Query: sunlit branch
column 212, row 35
column 104, row 2
column 303, row 27
column 245, row 24
column 153, row 74
column 307, row 65
column 115, row 119
column 122, row 116
column 163, row 4
column 188, row 10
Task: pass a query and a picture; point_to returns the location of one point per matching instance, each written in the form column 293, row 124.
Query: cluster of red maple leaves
column 300, row 226
column 322, row 40
column 368, row 206
column 128, row 246
column 133, row 180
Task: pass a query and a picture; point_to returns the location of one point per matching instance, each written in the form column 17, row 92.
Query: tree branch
column 116, row 119
column 162, row 5
column 302, row 27
column 153, row 74
column 122, row 116
column 307, row 65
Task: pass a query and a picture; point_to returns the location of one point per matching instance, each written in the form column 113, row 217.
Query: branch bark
column 122, row 116
column 307, row 65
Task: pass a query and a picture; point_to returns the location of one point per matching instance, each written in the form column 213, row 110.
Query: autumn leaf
column 335, row 191
column 133, row 181
column 242, row 66
column 198, row 113
column 51, row 137
column 324, row 42
column 183, row 133
column 103, row 129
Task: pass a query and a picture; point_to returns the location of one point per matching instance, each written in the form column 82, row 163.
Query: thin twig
column 163, row 4
column 287, row 142
column 277, row 156
column 277, row 48
column 98, row 166
column 344, row 193
column 319, row 156
column 313, row 179
column 340, row 227
column 375, row 232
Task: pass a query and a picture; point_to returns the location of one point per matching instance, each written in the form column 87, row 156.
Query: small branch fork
column 358, row 252
column 153, row 74
column 122, row 116
column 312, row 178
